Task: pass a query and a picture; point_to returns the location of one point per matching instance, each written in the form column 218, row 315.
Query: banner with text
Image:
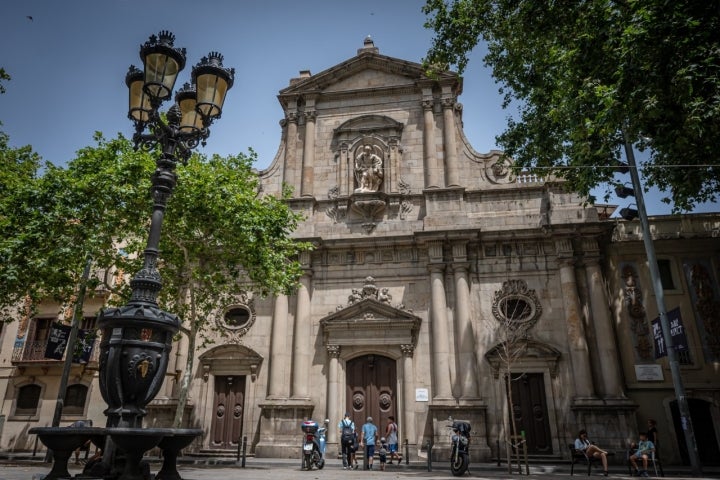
column 677, row 332
column 57, row 341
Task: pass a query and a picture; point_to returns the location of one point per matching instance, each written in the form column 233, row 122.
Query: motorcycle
column 313, row 452
column 460, row 451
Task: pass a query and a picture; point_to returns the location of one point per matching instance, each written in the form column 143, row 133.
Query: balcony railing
column 34, row 351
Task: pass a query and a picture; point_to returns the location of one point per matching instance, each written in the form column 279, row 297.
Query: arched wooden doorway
column 371, row 385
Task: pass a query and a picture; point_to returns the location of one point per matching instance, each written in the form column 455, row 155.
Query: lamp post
column 137, row 337
column 673, row 362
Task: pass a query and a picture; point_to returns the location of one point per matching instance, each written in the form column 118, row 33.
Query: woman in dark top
column 652, row 431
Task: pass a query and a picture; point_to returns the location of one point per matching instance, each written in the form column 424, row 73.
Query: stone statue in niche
column 369, row 169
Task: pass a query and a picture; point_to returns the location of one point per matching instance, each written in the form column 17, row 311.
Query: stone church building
column 427, row 256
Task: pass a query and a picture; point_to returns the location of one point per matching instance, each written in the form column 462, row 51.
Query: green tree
column 584, row 73
column 221, row 238
column 4, row 76
column 53, row 218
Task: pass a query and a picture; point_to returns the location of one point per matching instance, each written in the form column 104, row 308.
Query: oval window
column 237, row 317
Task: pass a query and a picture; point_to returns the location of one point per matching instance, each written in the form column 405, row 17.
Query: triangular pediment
column 524, row 353
column 368, row 308
column 367, row 70
column 369, row 321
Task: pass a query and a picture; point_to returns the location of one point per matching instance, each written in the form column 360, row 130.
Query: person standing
column 392, row 439
column 367, row 439
column 347, row 438
column 382, row 454
column 652, row 432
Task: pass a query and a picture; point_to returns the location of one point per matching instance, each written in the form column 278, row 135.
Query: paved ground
column 266, row 469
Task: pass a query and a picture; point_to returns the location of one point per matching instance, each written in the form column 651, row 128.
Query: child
column 382, row 453
column 353, row 463
column 644, row 451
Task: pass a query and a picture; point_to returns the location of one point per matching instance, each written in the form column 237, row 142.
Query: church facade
column 428, row 259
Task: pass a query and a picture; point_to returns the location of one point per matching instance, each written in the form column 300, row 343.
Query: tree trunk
column 185, row 382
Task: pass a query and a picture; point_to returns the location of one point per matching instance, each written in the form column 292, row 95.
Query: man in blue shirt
column 369, row 432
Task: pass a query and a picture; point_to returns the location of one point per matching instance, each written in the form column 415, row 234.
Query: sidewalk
column 282, row 469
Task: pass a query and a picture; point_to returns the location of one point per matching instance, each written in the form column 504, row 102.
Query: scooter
column 313, row 444
column 460, row 452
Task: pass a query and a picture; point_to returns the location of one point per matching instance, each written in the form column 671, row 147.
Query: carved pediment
column 231, row 360
column 524, row 353
column 370, row 322
column 354, row 74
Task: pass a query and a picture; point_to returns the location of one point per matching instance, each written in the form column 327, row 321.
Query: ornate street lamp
column 137, row 337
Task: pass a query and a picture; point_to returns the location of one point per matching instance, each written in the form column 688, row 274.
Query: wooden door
column 530, row 411
column 704, row 429
column 371, row 385
column 229, row 405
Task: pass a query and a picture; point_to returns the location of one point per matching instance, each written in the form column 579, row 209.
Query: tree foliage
column 4, row 76
column 53, row 218
column 221, row 236
column 222, row 239
column 582, row 72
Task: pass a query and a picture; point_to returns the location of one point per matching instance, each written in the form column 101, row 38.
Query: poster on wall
column 677, row 333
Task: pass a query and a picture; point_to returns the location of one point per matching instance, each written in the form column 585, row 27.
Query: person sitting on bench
column 582, row 444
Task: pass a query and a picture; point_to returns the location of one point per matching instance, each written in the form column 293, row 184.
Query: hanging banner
column 677, row 332
column 84, row 346
column 57, row 340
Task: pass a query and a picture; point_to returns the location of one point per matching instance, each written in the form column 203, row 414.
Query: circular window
column 237, row 317
column 516, row 306
column 515, row 309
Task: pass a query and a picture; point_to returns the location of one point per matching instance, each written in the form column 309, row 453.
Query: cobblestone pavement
column 289, row 470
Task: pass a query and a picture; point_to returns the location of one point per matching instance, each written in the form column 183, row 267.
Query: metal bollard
column 244, row 451
column 429, row 455
column 498, row 452
column 35, row 446
column 239, row 454
column 407, row 452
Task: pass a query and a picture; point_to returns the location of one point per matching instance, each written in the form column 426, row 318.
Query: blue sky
column 68, row 65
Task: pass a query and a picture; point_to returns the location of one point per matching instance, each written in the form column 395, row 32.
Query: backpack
column 347, row 432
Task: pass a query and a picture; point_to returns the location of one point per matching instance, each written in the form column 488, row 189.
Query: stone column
column 430, row 162
column 333, row 398
column 309, row 149
column 303, row 344
column 279, row 383
column 579, row 355
column 464, row 334
column 438, row 325
column 604, row 331
column 407, row 427
column 343, row 171
column 291, row 170
column 452, row 178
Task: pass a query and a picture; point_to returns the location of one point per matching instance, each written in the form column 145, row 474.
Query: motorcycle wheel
column 307, row 462
column 320, row 464
column 460, row 465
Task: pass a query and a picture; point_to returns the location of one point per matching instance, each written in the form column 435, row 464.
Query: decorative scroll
column 704, row 292
column 639, row 325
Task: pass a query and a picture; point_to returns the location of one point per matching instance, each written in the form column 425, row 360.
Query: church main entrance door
column 530, row 410
column 229, row 404
column 371, row 384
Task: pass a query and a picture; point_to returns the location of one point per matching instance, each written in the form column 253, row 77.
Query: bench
column 577, row 456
